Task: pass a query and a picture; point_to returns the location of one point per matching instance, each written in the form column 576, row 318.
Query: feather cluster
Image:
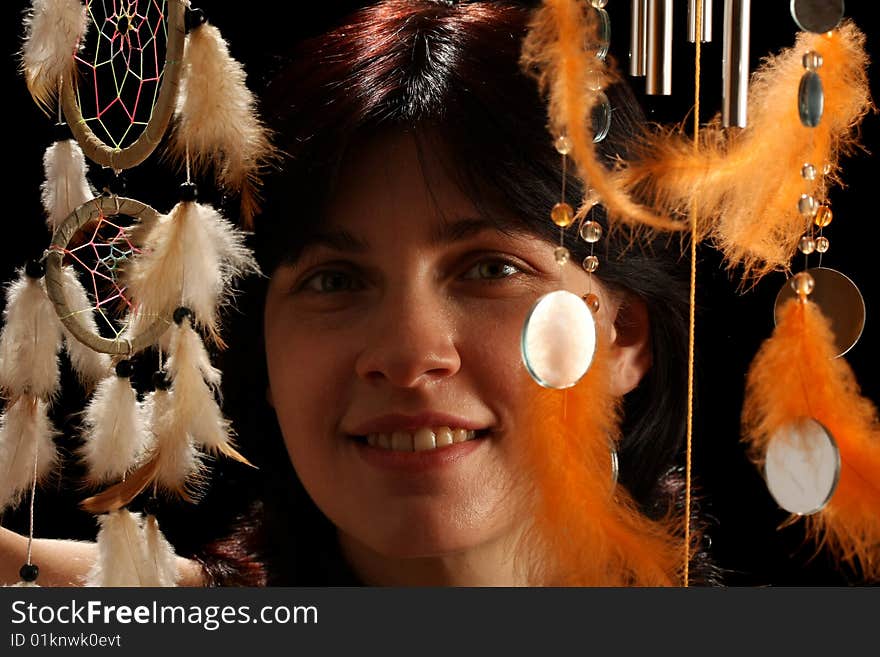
column 192, row 402
column 216, row 119
column 90, row 366
column 52, row 30
column 745, row 184
column 191, row 258
column 27, row 448
column 795, row 375
column 132, row 552
column 65, row 186
column 558, row 52
column 585, row 531
column 114, row 431
column 30, row 341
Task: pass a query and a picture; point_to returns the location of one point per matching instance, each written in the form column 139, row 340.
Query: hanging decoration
column 116, row 273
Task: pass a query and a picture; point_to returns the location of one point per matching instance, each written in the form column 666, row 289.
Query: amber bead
column 562, row 214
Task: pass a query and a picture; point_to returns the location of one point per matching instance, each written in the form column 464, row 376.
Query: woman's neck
column 491, row 564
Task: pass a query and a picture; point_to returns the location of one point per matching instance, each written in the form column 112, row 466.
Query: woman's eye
column 330, row 281
column 492, row 269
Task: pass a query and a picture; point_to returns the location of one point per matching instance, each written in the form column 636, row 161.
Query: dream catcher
column 754, row 183
column 122, row 284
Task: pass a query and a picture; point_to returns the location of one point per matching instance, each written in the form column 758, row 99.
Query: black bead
column 161, row 380
column 29, row 572
column 194, row 18
column 35, row 269
column 124, row 369
column 61, row 132
column 112, row 182
column 181, row 314
column 188, row 192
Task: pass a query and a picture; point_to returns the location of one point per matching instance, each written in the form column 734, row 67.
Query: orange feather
column 794, row 375
column 585, row 531
column 746, row 183
column 554, row 51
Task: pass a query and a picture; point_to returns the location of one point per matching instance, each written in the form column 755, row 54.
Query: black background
column 730, row 324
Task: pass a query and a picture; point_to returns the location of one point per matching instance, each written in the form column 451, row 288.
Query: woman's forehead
column 395, row 180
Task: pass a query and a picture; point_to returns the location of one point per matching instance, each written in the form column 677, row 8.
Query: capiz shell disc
column 558, row 340
column 802, row 466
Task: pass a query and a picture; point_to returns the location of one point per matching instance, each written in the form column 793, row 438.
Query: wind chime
column 754, row 183
column 121, row 282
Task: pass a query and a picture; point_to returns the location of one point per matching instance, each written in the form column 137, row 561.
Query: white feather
column 193, row 402
column 216, row 116
column 91, row 366
column 114, row 430
column 52, row 29
column 26, row 435
column 179, row 465
column 65, row 187
column 29, row 341
column 191, row 258
column 161, row 559
column 121, row 551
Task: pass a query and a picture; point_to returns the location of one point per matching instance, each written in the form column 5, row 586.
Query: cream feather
column 160, row 556
column 90, row 366
column 52, row 30
column 26, row 436
column 193, row 402
column 179, row 467
column 121, row 551
column 114, row 430
column 30, row 341
column 65, row 187
column 216, row 119
column 191, row 258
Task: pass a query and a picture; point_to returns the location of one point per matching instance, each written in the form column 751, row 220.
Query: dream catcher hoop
column 93, row 214
column 120, row 279
column 122, row 34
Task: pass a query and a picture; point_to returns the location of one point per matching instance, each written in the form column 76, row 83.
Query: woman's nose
column 412, row 340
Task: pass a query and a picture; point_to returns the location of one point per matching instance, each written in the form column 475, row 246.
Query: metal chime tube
column 705, row 26
column 659, row 64
column 638, row 37
column 735, row 63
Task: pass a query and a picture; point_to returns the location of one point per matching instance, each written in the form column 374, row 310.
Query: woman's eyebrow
column 445, row 232
column 337, row 239
column 448, row 232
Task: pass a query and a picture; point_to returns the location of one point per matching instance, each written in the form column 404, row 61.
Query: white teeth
column 420, row 440
column 423, row 439
column 401, row 441
column 443, row 436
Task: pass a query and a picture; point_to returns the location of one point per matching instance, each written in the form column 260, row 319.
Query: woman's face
column 398, row 329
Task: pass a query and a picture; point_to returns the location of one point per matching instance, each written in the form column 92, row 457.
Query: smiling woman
column 417, row 371
column 383, row 395
column 407, row 240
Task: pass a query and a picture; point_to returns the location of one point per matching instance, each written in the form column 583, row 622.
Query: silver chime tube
column 659, row 64
column 735, row 63
column 638, row 37
column 705, row 25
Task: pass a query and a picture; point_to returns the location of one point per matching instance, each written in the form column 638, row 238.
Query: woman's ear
column 630, row 355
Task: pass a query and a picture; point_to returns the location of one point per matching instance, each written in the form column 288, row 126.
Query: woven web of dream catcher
column 100, row 257
column 120, row 67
